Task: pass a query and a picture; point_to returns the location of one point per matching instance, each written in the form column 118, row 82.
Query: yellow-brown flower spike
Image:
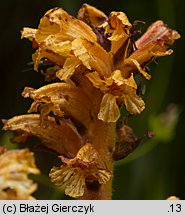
column 15, row 165
column 95, row 62
column 69, row 43
column 75, row 173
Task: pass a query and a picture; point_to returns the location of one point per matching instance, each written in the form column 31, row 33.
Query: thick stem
column 100, row 134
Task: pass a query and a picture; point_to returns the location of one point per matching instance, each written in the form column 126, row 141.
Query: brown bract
column 15, row 165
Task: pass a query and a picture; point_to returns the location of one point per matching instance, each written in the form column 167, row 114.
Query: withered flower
column 61, row 138
column 95, row 61
column 87, row 166
column 15, row 165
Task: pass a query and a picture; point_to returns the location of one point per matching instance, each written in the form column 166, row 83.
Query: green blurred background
column 157, row 169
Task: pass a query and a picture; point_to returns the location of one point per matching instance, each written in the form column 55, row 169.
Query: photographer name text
column 54, row 208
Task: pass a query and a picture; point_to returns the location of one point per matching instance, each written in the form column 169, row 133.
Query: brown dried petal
column 62, row 138
column 152, row 44
column 126, row 134
column 157, row 31
column 91, row 15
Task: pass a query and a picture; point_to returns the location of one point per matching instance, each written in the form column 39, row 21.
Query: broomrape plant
column 93, row 63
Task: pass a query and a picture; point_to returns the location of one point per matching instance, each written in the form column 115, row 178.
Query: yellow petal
column 120, row 80
column 97, row 82
column 87, row 153
column 109, row 110
column 62, row 138
column 58, row 21
column 68, row 69
column 49, row 54
column 71, row 178
column 43, row 104
column 91, row 15
column 93, row 56
column 134, row 104
column 117, row 77
column 76, row 185
column 131, row 82
column 104, row 176
column 28, row 33
column 144, row 73
column 52, row 49
column 119, row 20
column 61, row 48
column 120, row 27
column 86, row 158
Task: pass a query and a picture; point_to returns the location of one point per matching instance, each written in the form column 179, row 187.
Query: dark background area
column 157, row 172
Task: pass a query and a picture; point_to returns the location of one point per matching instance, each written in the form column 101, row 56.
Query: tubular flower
column 60, row 98
column 85, row 167
column 116, row 87
column 58, row 137
column 103, row 46
column 15, row 165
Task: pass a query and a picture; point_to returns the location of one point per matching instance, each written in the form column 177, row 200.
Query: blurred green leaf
column 164, row 125
column 5, row 140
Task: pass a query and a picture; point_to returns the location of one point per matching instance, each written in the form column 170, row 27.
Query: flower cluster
column 94, row 62
column 103, row 46
column 15, row 165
